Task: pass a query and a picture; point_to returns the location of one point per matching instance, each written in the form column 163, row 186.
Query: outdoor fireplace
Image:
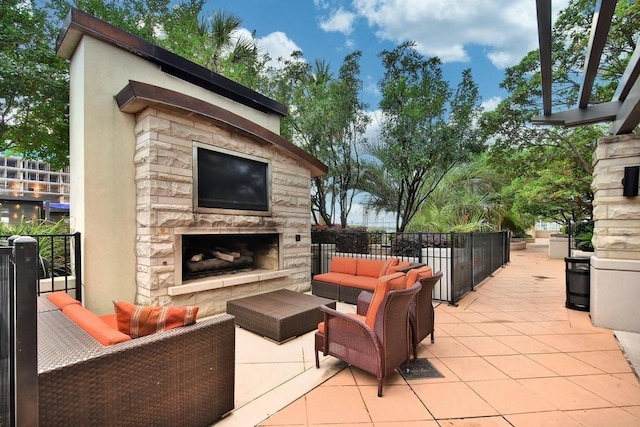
column 210, row 255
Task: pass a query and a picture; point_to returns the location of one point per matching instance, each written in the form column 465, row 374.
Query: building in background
column 30, row 189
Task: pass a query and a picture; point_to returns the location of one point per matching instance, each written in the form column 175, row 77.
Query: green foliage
column 328, row 120
column 426, row 129
column 51, row 248
column 33, row 86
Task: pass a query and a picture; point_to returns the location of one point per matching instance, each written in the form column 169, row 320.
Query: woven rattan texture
column 279, row 315
column 183, row 377
column 325, row 289
column 44, row 304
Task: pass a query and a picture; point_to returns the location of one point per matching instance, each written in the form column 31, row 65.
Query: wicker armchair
column 421, row 313
column 378, row 350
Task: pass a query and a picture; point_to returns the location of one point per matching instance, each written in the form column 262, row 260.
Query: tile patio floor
column 511, row 355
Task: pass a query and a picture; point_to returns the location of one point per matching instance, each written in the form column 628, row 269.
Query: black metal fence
column 18, row 333
column 59, row 263
column 465, row 259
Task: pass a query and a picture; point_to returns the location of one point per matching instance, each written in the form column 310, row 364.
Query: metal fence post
column 25, row 340
column 452, row 297
column 77, row 259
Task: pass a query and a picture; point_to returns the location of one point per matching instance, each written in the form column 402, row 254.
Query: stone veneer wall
column 615, row 265
column 163, row 162
column 617, row 218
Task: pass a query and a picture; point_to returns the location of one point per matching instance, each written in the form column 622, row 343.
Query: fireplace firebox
column 210, row 255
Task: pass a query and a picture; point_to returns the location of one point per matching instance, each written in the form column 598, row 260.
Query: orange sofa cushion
column 354, row 315
column 361, row 282
column 417, row 273
column 383, row 286
column 62, row 299
column 343, row 265
column 369, row 267
column 138, row 321
column 94, row 325
column 331, row 277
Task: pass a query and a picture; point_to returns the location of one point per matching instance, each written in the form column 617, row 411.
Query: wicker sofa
column 184, row 376
column 347, row 277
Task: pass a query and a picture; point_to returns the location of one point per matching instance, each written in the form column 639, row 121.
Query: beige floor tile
column 562, row 327
column 564, row 394
column 510, row 397
column 483, row 307
column 431, row 423
column 564, row 364
column 398, row 403
column 629, row 377
column 255, row 379
column 564, row 343
column 444, row 317
column 472, row 317
column 503, row 316
column 486, row 346
column 542, row 419
column 600, row 341
column 439, row 332
column 452, row 400
column 519, row 366
column 476, row 422
column 604, row 417
column 473, row 368
column 447, row 374
column 461, row 330
column 554, row 314
column 344, row 377
column 449, row 347
column 364, row 378
column 529, row 328
column 495, row 329
column 611, row 362
column 526, row 345
column 610, row 388
column 634, row 410
column 338, row 405
column 342, row 425
column 294, row 414
column 530, row 316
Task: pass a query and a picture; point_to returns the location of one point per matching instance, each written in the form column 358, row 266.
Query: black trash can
column 578, row 283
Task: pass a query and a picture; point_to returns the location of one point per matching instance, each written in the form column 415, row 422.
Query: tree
column 33, row 86
column 467, row 199
column 328, row 120
column 532, row 154
column 426, row 129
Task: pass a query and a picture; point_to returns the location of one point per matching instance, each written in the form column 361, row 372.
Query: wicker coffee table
column 279, row 315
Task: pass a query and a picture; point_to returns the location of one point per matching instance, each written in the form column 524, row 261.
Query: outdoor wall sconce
column 630, row 181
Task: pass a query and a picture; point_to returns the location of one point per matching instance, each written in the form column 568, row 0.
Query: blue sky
column 484, row 35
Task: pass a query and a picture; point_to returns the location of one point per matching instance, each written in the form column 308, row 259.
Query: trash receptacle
column 578, row 283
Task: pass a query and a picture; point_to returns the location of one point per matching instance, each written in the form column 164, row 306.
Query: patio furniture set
column 89, row 375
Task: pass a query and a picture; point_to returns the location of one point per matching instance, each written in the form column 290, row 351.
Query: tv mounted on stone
column 230, row 182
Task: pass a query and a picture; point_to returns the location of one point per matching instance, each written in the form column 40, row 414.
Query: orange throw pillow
column 138, row 321
column 391, row 262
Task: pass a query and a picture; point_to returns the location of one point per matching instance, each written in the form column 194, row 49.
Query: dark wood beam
column 630, row 76
column 599, row 30
column 543, row 9
column 604, row 112
column 628, row 117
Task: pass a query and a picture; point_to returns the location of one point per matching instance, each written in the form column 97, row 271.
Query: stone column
column 615, row 266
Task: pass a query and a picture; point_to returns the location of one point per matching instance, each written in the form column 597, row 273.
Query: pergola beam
column 605, row 112
column 628, row 117
column 599, row 30
column 630, row 76
column 543, row 9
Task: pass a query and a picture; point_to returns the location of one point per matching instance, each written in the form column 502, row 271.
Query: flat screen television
column 229, row 182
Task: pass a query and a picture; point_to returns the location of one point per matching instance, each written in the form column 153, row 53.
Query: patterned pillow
column 138, row 321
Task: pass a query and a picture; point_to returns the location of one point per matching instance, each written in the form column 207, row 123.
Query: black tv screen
column 229, row 180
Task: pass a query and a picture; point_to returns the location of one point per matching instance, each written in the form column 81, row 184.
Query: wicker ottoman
column 279, row 315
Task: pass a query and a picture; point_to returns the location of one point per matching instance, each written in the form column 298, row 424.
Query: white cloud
column 491, row 103
column 507, row 29
column 340, row 21
column 277, row 45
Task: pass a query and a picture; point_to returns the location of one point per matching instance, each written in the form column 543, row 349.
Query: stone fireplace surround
column 165, row 213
